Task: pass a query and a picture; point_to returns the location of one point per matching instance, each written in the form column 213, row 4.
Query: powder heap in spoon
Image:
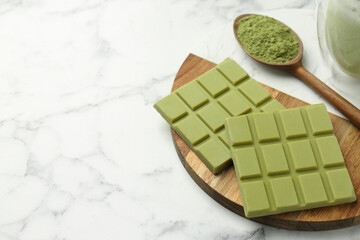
column 267, row 39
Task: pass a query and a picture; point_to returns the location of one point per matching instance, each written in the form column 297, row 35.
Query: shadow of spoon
column 296, row 68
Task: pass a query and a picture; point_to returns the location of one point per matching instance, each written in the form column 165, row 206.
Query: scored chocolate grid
column 212, row 99
column 178, row 105
column 290, row 161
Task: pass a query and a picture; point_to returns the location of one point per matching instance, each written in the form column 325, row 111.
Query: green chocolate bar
column 197, row 111
column 288, row 160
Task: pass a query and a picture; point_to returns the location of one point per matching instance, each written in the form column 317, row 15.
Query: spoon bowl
column 296, row 68
column 297, row 60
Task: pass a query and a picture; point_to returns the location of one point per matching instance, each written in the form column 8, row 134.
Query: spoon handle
column 349, row 110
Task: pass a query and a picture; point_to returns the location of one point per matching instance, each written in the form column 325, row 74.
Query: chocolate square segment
column 171, row 108
column 284, row 193
column 232, row 71
column 312, row 189
column 213, row 116
column 255, row 198
column 293, row 123
column 341, row 191
column 246, row 163
column 302, row 155
column 234, row 103
column 254, row 92
column 241, row 134
column 193, row 128
column 329, row 151
column 214, row 82
column 216, row 154
column 193, row 95
column 319, row 119
column 266, row 128
column 274, row 159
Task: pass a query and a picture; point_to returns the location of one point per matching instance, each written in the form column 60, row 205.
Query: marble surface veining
column 83, row 154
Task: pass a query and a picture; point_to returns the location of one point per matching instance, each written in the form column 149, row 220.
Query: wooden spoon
column 296, row 68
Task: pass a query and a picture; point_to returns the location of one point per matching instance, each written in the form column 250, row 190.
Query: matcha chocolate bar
column 197, row 110
column 288, row 160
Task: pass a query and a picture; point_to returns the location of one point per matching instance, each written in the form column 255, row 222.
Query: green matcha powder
column 267, row 39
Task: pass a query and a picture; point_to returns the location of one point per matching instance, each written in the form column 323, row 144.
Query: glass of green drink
column 338, row 24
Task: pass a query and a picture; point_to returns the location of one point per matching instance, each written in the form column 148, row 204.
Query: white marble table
column 83, row 155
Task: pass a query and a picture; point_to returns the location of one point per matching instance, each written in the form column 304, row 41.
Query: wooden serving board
column 224, row 188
